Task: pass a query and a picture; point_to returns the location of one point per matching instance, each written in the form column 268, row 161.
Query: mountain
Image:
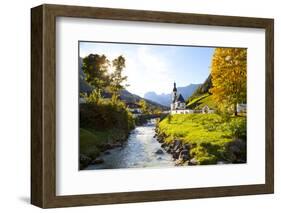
column 203, row 88
column 165, row 99
column 130, row 97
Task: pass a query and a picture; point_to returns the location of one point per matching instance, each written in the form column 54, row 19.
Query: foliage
column 229, row 75
column 156, row 110
column 93, row 97
column 97, row 74
column 207, row 134
column 102, row 123
column 92, row 142
column 238, row 128
column 169, row 118
column 106, row 116
column 144, row 106
column 95, row 68
column 116, row 78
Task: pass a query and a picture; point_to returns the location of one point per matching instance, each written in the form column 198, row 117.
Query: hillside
column 203, row 88
column 200, row 101
column 130, row 97
column 165, row 99
column 202, row 97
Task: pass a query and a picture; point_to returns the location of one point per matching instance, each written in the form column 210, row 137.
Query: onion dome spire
column 175, row 87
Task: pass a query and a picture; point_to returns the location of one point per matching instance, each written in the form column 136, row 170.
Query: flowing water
column 138, row 152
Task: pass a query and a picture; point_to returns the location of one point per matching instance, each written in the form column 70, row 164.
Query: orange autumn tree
column 229, row 77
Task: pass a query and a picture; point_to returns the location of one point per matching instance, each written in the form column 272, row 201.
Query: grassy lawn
column 92, row 142
column 207, row 134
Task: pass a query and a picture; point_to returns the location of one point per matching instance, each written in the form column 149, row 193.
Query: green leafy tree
column 94, row 97
column 116, row 78
column 156, row 110
column 229, row 77
column 95, row 68
column 144, row 106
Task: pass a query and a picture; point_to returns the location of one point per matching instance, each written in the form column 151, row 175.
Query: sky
column 156, row 67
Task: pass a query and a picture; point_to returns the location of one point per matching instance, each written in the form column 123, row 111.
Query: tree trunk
column 235, row 110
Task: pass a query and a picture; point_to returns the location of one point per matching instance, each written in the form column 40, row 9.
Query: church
column 178, row 105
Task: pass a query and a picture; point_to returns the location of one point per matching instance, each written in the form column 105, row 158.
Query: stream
column 138, row 152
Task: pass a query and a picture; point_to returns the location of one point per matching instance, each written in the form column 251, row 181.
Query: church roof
column 180, row 98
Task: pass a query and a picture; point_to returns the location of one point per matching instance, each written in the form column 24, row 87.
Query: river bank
column 103, row 126
column 93, row 143
column 178, row 150
column 96, row 144
column 202, row 139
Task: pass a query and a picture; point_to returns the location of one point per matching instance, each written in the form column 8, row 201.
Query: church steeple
column 175, row 87
column 174, row 95
column 178, row 102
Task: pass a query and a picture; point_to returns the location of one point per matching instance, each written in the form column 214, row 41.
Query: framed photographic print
column 136, row 106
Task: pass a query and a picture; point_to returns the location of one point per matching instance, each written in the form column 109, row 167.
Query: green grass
column 206, row 133
column 201, row 101
column 92, row 141
column 101, row 124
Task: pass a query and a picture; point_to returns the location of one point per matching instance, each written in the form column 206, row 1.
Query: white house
column 241, row 108
column 206, row 109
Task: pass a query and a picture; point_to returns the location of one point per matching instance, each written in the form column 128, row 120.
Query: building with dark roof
column 178, row 102
column 178, row 105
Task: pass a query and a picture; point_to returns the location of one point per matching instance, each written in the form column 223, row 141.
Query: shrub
column 105, row 116
column 236, row 151
column 169, row 118
column 207, row 160
column 238, row 128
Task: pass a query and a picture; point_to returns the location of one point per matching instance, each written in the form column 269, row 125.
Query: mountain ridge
column 165, row 99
